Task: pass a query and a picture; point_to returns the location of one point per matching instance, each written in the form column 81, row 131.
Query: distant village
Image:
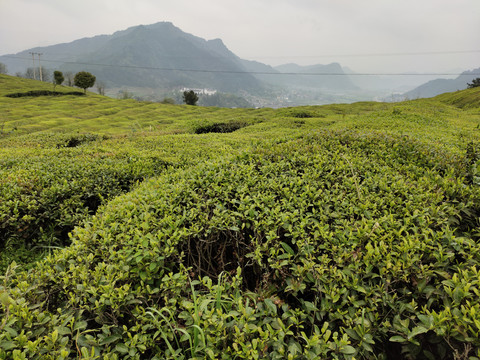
column 200, row 91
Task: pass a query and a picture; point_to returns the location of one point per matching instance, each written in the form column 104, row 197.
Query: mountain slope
column 439, row 86
column 163, row 56
column 158, row 55
column 318, row 76
column 464, row 99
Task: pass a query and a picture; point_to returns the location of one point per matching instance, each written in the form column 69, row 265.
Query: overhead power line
column 241, row 71
column 451, row 52
column 448, row 52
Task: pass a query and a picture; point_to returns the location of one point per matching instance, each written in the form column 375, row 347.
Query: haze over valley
column 158, row 61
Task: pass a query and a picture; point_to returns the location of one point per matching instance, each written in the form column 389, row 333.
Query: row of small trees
column 82, row 79
column 85, row 80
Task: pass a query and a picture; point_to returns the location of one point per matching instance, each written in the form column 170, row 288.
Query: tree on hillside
column 30, row 73
column 125, row 95
column 3, row 68
column 84, row 80
column 100, row 87
column 34, row 73
column 475, row 83
column 57, row 78
column 190, row 98
column 69, row 78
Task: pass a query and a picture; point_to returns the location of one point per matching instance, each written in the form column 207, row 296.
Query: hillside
column 155, row 56
column 92, row 113
column 440, row 86
column 344, row 231
column 462, row 99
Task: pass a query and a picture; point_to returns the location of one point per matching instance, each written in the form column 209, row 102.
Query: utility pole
column 40, row 66
column 33, row 59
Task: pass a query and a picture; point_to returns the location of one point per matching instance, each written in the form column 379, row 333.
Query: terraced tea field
column 133, row 230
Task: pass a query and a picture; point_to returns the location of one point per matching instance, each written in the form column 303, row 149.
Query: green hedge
column 35, row 93
column 46, row 192
column 220, row 127
column 335, row 245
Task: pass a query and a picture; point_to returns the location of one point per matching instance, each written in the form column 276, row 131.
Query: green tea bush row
column 333, row 245
column 45, row 194
column 34, row 93
column 220, row 127
column 76, row 140
column 85, row 170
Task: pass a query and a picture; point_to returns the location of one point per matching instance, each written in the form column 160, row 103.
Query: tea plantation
column 133, row 230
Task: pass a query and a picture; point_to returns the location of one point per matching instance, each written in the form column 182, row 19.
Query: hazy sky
column 365, row 35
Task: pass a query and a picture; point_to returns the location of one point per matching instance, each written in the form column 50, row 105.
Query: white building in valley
column 200, row 91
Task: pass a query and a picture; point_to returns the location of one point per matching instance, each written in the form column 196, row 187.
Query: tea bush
column 46, row 193
column 220, row 127
column 334, row 245
column 34, row 93
column 278, row 241
column 51, row 182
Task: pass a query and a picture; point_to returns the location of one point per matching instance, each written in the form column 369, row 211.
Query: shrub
column 331, row 245
column 35, row 93
column 190, row 97
column 222, row 127
column 46, row 195
column 58, row 78
column 475, row 83
column 76, row 140
column 301, row 114
column 84, row 80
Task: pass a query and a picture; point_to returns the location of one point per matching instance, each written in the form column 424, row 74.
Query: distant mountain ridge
column 158, row 55
column 165, row 59
column 440, row 86
column 163, row 56
column 317, row 76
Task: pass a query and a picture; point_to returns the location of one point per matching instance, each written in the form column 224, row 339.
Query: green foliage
column 45, row 195
column 58, row 78
column 475, row 83
column 96, row 114
column 190, row 98
column 84, row 80
column 325, row 245
column 220, row 127
column 301, row 114
column 168, row 101
column 469, row 99
column 348, row 234
column 34, row 93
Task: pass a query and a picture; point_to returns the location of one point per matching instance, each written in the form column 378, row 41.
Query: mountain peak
column 216, row 41
column 163, row 56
